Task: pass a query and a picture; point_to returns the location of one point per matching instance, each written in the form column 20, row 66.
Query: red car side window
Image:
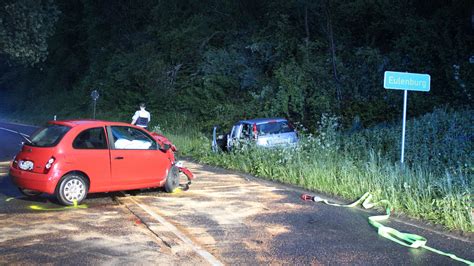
column 129, row 138
column 92, row 138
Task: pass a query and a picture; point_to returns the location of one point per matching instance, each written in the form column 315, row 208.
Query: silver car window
column 274, row 128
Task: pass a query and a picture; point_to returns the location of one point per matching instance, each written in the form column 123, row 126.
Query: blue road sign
column 406, row 81
column 95, row 95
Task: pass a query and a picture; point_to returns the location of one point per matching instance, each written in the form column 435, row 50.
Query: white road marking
column 13, row 131
column 203, row 253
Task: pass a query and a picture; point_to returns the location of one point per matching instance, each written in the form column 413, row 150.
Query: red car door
column 90, row 154
column 136, row 161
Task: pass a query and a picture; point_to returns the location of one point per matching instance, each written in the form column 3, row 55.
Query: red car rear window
column 48, row 136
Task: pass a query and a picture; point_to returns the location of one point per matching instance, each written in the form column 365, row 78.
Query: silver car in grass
column 264, row 132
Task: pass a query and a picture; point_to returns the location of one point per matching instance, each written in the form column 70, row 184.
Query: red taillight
column 49, row 164
column 255, row 132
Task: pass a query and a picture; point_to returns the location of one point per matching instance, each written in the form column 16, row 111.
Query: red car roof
column 87, row 122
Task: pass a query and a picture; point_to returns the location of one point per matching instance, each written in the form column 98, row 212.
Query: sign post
column 94, row 96
column 406, row 81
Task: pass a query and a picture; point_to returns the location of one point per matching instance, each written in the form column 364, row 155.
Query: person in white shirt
column 141, row 117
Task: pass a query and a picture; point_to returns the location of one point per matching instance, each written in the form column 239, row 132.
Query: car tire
column 172, row 180
column 72, row 187
column 29, row 193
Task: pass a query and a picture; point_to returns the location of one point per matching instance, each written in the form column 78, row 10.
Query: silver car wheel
column 74, row 189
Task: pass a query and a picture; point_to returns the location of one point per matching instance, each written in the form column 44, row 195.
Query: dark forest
column 220, row 61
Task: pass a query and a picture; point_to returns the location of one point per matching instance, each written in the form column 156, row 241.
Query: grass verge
column 435, row 183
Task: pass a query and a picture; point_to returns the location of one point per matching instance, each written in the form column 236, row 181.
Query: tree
column 25, row 26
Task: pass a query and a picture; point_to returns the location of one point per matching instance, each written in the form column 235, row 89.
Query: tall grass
column 435, row 183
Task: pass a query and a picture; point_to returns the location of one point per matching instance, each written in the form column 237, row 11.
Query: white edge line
column 13, row 131
column 203, row 253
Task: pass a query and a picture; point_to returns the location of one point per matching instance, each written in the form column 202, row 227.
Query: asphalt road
column 10, row 142
column 244, row 220
column 225, row 216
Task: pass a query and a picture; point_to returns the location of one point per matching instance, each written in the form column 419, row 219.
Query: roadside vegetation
column 435, row 184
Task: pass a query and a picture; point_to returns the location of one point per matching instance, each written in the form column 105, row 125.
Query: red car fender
column 163, row 140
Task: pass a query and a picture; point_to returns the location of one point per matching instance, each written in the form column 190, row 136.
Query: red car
column 72, row 158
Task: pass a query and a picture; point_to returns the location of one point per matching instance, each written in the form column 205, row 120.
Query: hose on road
column 405, row 239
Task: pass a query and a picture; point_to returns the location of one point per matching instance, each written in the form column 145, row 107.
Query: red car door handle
column 118, row 158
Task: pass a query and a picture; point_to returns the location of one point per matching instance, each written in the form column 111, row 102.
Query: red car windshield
column 48, row 136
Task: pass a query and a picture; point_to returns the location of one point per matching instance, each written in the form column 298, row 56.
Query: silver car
column 264, row 132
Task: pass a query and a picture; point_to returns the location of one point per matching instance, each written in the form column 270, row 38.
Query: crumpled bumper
column 187, row 173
